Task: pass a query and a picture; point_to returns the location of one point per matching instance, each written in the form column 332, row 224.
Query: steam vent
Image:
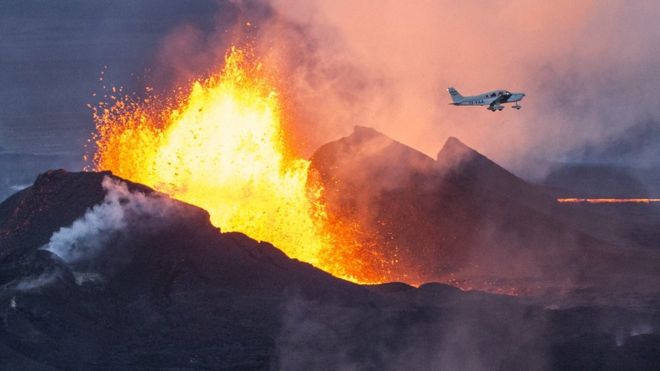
column 329, row 185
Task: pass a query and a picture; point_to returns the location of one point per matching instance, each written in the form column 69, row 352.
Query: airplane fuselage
column 493, row 99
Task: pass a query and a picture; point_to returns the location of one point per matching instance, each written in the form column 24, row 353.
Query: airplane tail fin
column 456, row 97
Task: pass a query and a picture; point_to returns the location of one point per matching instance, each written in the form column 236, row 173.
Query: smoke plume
column 589, row 70
column 41, row 280
column 95, row 230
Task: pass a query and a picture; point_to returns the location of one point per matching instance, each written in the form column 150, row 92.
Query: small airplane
column 493, row 99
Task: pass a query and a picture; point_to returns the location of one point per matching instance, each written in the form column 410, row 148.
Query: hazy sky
column 591, row 69
column 52, row 52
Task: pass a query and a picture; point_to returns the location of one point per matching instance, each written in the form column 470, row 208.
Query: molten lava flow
column 608, row 200
column 222, row 147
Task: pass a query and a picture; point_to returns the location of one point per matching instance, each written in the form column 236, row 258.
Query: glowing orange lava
column 609, row 200
column 222, row 147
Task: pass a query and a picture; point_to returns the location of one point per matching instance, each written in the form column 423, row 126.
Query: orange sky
column 388, row 66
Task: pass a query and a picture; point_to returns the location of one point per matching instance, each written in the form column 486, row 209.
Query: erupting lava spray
column 222, row 147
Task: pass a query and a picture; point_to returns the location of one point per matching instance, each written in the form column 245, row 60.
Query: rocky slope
column 100, row 273
column 462, row 218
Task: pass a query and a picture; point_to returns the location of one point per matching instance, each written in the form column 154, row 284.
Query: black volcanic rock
column 177, row 274
column 625, row 224
column 463, row 219
column 17, row 170
column 170, row 291
column 57, row 198
column 369, row 160
column 465, row 166
column 595, row 180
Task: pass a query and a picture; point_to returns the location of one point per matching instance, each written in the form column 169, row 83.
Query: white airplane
column 493, row 99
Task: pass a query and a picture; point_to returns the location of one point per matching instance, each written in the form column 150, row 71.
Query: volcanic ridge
column 97, row 272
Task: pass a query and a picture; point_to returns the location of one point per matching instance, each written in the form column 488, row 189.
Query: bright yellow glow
column 222, row 147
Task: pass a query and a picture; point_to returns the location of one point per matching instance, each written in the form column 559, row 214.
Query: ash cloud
column 411, row 337
column 637, row 143
column 588, row 69
column 435, row 327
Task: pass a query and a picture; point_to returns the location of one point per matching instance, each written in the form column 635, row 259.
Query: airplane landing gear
column 516, row 106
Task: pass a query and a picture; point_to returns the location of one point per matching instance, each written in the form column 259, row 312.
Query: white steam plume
column 89, row 234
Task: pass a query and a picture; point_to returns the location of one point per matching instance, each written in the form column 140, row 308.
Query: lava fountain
column 221, row 146
column 608, row 200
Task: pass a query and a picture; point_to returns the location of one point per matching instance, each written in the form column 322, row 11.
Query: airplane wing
column 496, row 102
column 500, row 99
